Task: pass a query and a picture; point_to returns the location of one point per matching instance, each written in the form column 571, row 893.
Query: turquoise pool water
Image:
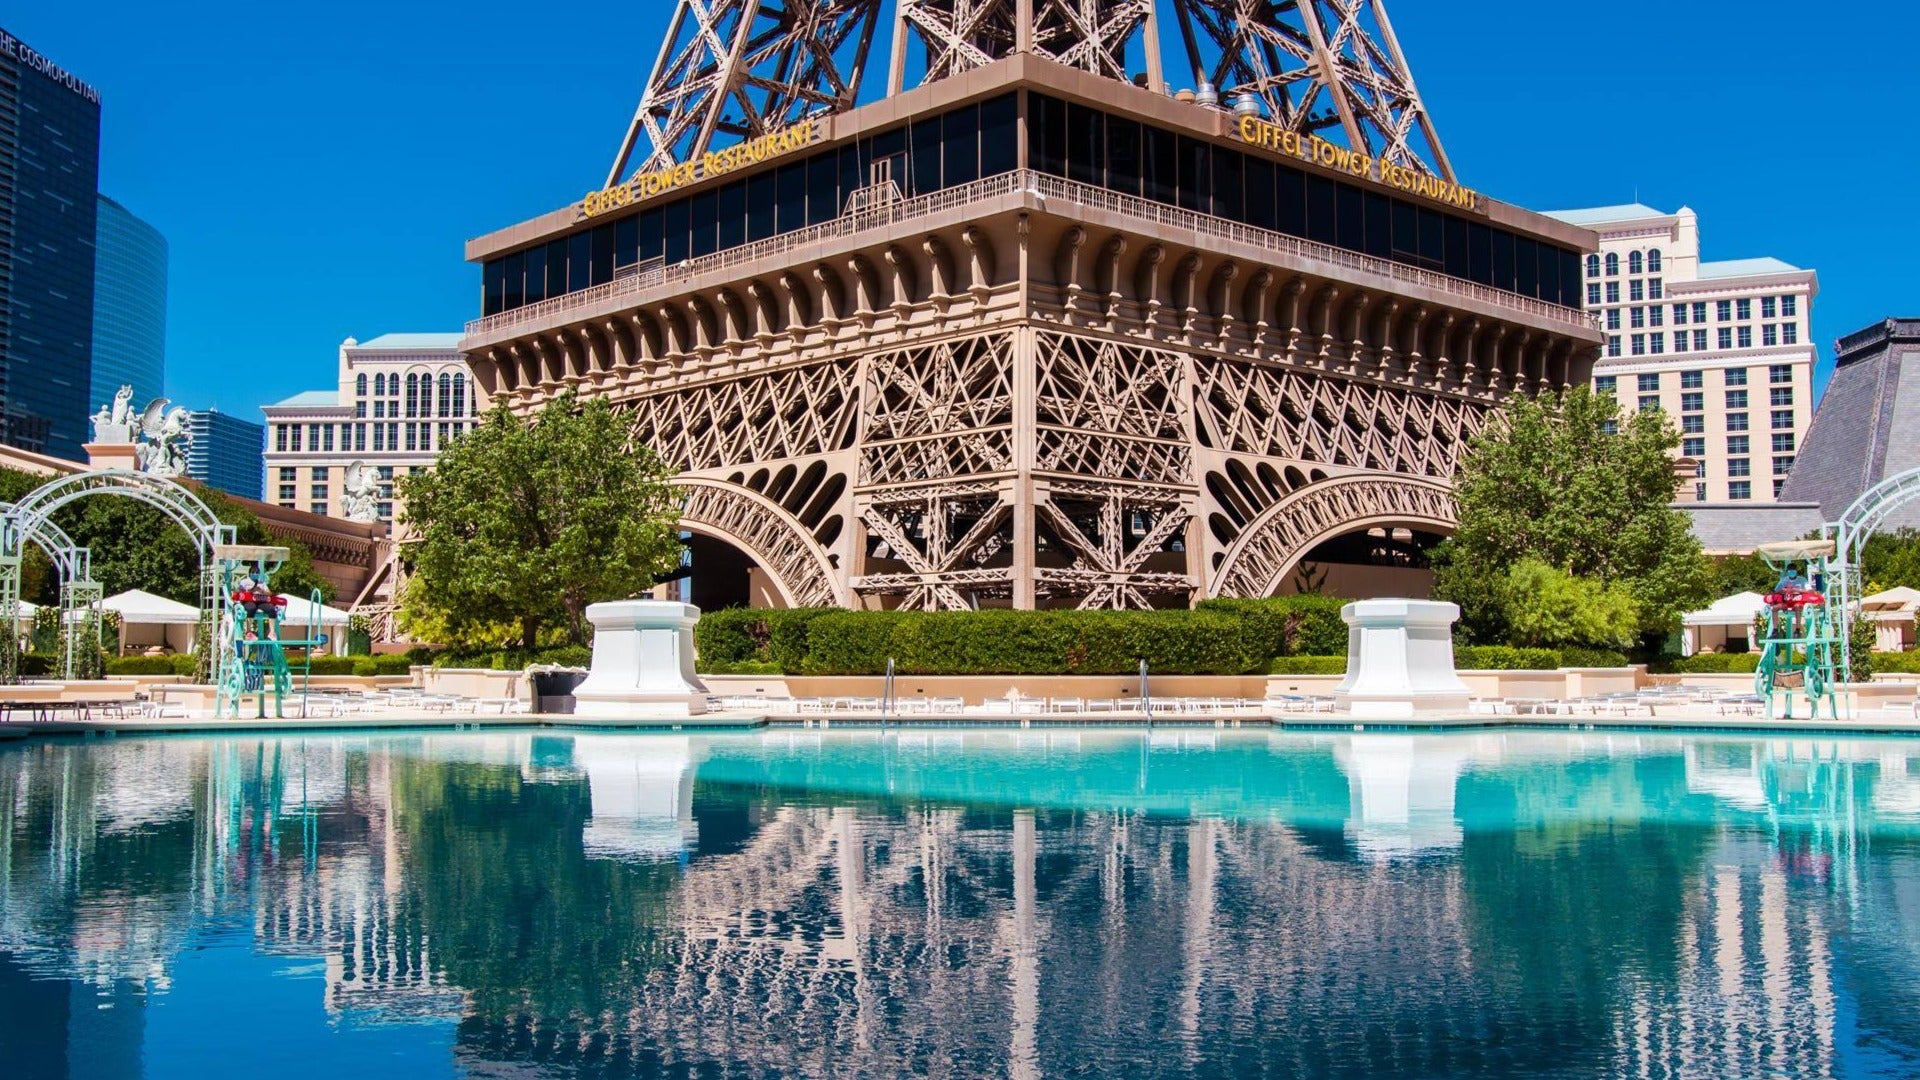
column 953, row 904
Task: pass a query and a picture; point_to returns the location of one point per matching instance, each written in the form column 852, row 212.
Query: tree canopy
column 136, row 546
column 526, row 521
column 1567, row 482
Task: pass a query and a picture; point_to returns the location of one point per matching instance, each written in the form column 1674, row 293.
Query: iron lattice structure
column 744, row 68
column 1315, row 66
column 1092, row 35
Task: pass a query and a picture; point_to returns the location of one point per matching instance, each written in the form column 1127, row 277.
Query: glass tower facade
column 49, row 182
column 129, row 307
column 226, row 452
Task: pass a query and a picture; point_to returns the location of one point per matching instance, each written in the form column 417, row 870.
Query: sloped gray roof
column 1868, row 425
column 1739, row 528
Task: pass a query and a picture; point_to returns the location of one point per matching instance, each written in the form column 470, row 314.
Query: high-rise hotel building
column 400, row 399
column 49, row 185
column 1724, row 347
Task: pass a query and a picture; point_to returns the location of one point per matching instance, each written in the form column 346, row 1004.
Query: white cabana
column 305, row 620
column 150, row 622
column 1892, row 613
column 1724, row 626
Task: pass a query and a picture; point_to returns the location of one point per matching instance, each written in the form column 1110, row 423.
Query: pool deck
column 1869, row 724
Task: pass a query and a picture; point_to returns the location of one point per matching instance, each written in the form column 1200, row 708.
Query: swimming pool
column 981, row 902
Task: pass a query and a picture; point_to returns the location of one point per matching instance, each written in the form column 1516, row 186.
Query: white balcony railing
column 1025, row 181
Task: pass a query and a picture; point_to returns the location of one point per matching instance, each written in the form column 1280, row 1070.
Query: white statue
column 164, row 439
column 360, row 497
column 115, row 426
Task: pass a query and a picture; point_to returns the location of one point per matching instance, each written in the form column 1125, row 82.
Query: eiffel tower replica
column 1040, row 327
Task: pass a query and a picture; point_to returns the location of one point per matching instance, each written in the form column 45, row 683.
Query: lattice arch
column 775, row 539
column 1275, row 542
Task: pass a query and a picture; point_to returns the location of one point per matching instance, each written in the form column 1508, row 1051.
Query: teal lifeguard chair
column 1800, row 640
column 251, row 651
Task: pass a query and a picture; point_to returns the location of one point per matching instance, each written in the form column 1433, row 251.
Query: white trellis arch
column 1850, row 534
column 30, row 521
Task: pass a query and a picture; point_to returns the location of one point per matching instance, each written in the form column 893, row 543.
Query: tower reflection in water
column 1174, row 903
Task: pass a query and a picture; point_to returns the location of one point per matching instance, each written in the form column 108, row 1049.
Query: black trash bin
column 553, row 690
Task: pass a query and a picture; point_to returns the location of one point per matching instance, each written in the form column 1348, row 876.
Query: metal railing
column 1022, row 181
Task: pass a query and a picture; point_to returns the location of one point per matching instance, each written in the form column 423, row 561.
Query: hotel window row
column 1079, row 143
column 449, row 395
column 353, row 438
column 1637, row 263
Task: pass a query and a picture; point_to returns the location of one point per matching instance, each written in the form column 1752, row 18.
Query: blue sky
column 316, row 169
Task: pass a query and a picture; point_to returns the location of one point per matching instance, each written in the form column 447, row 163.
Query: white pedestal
column 1400, row 659
column 642, row 661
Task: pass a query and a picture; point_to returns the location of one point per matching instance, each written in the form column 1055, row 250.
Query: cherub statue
column 115, row 424
column 360, row 496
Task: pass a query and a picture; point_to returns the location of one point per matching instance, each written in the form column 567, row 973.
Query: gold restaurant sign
column 646, row 185
column 1279, row 140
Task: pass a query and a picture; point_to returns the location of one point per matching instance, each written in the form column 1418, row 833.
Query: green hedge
column 508, row 659
column 740, row 667
column 1023, row 643
column 141, row 665
column 1505, row 658
column 1308, row 665
column 1575, row 656
column 1714, row 664
column 1286, row 626
column 1897, row 663
column 382, row 664
column 734, row 636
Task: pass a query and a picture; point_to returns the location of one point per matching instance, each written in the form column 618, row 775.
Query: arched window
column 1653, row 261
column 459, row 395
column 413, row 395
column 360, row 385
column 1613, row 264
column 379, row 384
column 445, row 400
column 1593, row 266
column 1635, row 265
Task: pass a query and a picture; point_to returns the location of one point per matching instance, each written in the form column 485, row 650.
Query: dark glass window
column 1502, row 259
column 823, row 188
column 1526, row 266
column 493, row 287
column 1162, row 163
column 733, row 214
column 760, row 216
column 651, row 244
column 556, row 283
column 626, row 240
column 923, row 149
column 1229, row 188
column 853, row 170
column 1320, row 210
column 960, row 156
column 1123, row 155
column 1349, row 217
column 704, row 213
column 1047, row 134
column 1433, row 239
column 1290, row 200
column 1406, row 232
column 1457, row 263
column 1260, row 194
column 1480, row 253
column 1379, row 225
column 790, row 197
column 602, row 268
column 676, row 231
column 1570, row 278
column 999, row 135
column 536, row 274
column 516, row 275
column 1086, row 145
column 1195, row 186
column 580, row 260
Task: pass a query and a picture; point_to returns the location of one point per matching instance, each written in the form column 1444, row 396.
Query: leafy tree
column 1568, row 482
column 528, row 520
column 136, row 546
column 1550, row 608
